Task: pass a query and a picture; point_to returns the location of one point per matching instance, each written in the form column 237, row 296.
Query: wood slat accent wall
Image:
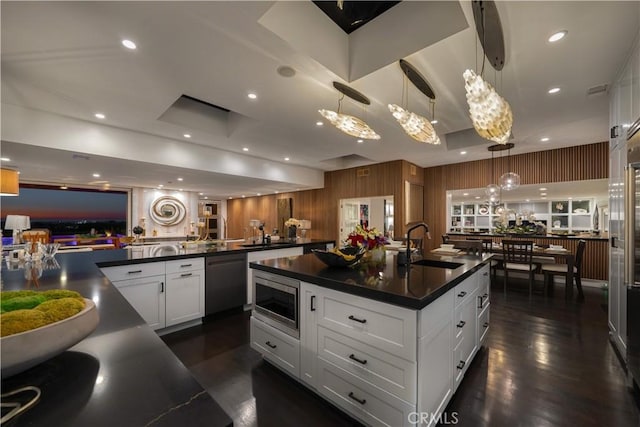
column 577, row 163
column 321, row 205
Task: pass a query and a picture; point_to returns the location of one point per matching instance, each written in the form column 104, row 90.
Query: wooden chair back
column 517, row 251
column 582, row 244
column 35, row 236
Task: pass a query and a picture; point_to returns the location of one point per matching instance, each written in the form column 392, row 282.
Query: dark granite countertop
column 121, row 374
column 411, row 286
column 136, row 254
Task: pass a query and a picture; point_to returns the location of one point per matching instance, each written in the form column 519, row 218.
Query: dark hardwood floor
column 547, row 362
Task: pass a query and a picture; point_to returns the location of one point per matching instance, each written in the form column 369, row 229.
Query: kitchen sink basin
column 437, row 264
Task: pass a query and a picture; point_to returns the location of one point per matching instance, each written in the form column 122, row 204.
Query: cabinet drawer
column 187, row 264
column 464, row 318
column 279, row 348
column 391, row 373
column 459, row 364
column 368, row 403
column 483, row 325
column 464, row 289
column 383, row 326
column 133, row 271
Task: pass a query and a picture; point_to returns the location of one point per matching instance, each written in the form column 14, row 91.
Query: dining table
column 560, row 255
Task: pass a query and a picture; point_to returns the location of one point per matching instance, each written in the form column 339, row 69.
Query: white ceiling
column 62, row 62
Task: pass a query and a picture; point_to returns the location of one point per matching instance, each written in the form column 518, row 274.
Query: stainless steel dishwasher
column 225, row 282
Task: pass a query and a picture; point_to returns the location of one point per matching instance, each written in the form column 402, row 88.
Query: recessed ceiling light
column 245, row 149
column 187, row 135
column 543, row 189
column 180, row 189
column 200, row 194
column 360, row 141
column 545, row 139
column 230, row 197
column 63, row 187
column 554, row 90
column 434, row 122
column 319, row 123
column 180, row 179
column 287, row 159
column 526, row 200
column 258, row 194
column 543, row 197
column 99, row 116
column 252, row 95
column 543, row 194
column 465, row 194
column 570, row 198
column 463, row 153
column 477, row 197
column 206, row 197
column 129, row 44
column 243, row 196
column 5, row 159
column 557, row 36
column 160, row 185
column 96, row 175
column 275, row 192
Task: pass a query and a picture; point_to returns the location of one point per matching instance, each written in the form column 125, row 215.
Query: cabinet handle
column 352, row 317
column 270, row 345
column 313, row 300
column 186, row 274
column 461, row 324
column 134, row 272
column 353, row 357
column 461, row 364
column 185, row 265
column 161, row 287
column 486, row 324
column 461, row 294
column 360, row 401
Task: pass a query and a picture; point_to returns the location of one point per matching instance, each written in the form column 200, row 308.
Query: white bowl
column 27, row 349
column 448, row 246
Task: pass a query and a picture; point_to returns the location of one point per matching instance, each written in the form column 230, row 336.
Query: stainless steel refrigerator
column 632, row 270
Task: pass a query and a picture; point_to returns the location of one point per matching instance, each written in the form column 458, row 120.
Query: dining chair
column 445, row 238
column 518, row 256
column 551, row 270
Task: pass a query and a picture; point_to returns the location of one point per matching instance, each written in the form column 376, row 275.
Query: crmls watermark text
column 433, row 419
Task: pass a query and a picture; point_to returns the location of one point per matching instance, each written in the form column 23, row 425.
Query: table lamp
column 17, row 223
column 305, row 225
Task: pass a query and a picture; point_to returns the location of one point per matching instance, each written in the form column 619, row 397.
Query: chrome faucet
column 413, row 226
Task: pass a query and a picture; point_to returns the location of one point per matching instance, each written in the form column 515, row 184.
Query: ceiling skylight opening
column 557, row 36
column 252, row 95
column 99, row 116
column 554, row 90
column 129, row 44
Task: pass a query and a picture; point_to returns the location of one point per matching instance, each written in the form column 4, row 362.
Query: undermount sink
column 438, row 264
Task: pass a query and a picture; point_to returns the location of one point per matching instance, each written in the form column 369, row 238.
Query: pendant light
column 489, row 112
column 492, row 190
column 510, row 180
column 350, row 125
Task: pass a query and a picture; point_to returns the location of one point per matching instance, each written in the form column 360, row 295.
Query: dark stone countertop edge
column 530, row 236
column 208, row 252
column 374, row 294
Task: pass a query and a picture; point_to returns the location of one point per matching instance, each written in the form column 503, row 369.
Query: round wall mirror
column 167, row 210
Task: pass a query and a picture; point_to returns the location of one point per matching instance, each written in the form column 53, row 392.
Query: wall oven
column 275, row 301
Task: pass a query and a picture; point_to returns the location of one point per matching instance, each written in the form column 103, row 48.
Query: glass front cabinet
column 560, row 216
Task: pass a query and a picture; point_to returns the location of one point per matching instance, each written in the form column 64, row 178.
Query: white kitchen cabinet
column 147, row 296
column 184, row 296
column 261, row 256
column 465, row 322
column 308, row 333
column 279, row 348
column 166, row 294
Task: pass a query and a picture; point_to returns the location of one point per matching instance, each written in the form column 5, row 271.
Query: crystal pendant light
column 349, row 124
column 490, row 113
column 492, row 190
column 414, row 125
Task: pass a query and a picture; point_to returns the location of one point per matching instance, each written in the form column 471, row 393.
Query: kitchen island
column 387, row 344
column 123, row 373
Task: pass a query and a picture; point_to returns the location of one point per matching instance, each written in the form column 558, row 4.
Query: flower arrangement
column 292, row 222
column 370, row 238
